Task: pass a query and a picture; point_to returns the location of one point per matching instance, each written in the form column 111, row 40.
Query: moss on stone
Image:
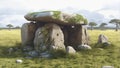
column 76, row 19
column 56, row 14
column 85, row 21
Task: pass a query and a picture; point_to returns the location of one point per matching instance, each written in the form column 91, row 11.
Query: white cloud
column 56, row 4
column 12, row 19
column 59, row 4
column 14, row 10
column 110, row 14
column 111, row 10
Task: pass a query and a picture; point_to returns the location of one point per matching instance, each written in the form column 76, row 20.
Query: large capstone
column 57, row 17
column 28, row 33
column 48, row 37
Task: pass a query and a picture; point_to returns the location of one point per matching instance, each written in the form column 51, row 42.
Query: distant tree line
column 11, row 26
column 102, row 25
column 92, row 25
column 116, row 22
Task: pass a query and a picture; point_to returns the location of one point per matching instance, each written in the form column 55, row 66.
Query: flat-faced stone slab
column 27, row 33
column 49, row 37
column 56, row 17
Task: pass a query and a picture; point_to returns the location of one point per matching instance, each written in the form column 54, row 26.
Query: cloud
column 110, row 14
column 16, row 20
column 9, row 11
column 111, row 10
column 13, row 11
column 112, row 7
column 55, row 4
column 92, row 16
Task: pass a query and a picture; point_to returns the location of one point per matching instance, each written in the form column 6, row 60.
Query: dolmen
column 54, row 30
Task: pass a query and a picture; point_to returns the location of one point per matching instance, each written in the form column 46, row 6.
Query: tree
column 102, row 25
column 92, row 24
column 116, row 22
column 9, row 26
column 17, row 27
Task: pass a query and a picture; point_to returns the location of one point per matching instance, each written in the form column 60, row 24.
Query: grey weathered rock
column 33, row 53
column 85, row 36
column 70, row 50
column 10, row 50
column 56, row 17
column 19, row 61
column 102, row 38
column 57, row 37
column 27, row 48
column 45, row 55
column 52, row 48
column 48, row 36
column 84, row 47
column 41, row 39
column 27, row 33
column 102, row 41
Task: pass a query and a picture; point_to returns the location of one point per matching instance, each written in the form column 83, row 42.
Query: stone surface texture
column 70, row 50
column 27, row 33
column 47, row 36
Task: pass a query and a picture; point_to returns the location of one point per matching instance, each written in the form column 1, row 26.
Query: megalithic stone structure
column 54, row 30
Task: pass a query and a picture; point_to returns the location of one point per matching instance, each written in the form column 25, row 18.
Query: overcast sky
column 13, row 11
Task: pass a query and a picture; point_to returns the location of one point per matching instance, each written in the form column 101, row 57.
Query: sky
column 13, row 11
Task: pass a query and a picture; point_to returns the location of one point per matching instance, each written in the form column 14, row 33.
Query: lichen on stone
column 62, row 17
column 77, row 19
column 57, row 14
column 85, row 21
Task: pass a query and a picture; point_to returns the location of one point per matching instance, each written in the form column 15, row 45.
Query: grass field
column 95, row 58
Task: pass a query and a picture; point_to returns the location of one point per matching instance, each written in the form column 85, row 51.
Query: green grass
column 94, row 58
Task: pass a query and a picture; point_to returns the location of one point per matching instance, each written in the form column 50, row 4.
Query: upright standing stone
column 57, row 37
column 75, row 35
column 57, row 17
column 85, row 36
column 102, row 39
column 50, row 35
column 28, row 33
column 41, row 39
